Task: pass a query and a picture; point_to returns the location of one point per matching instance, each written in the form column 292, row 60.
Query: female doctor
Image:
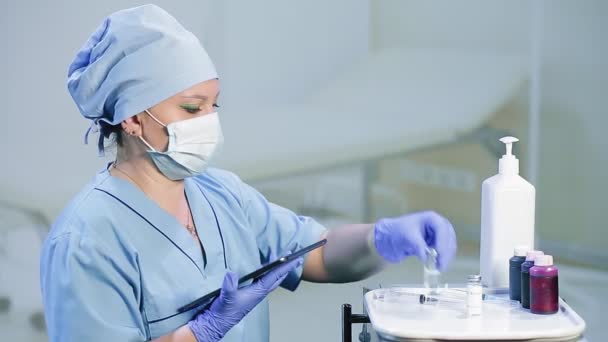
column 157, row 228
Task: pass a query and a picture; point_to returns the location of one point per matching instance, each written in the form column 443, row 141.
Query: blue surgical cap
column 136, row 58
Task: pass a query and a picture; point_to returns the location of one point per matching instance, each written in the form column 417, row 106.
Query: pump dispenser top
column 508, row 164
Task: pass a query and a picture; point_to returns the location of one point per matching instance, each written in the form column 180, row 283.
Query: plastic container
column 525, row 277
column 518, row 258
column 544, row 287
column 507, row 218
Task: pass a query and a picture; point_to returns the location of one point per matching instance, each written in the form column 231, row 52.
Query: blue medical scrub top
column 115, row 266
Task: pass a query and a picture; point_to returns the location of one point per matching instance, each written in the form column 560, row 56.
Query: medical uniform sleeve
column 89, row 293
column 279, row 230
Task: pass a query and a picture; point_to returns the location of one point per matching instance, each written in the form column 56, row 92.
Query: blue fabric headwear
column 137, row 58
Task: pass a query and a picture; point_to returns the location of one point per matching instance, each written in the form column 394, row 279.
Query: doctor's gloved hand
column 410, row 235
column 235, row 303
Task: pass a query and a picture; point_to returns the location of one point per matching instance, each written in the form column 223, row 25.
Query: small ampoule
column 431, row 273
column 474, row 295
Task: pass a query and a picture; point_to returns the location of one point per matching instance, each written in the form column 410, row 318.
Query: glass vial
column 474, row 295
column 431, row 273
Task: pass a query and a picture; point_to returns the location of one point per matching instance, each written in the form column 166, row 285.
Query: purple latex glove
column 410, row 235
column 235, row 303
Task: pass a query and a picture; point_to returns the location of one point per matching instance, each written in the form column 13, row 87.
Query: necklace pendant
column 192, row 231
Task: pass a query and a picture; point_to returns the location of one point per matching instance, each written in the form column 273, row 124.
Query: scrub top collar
column 166, row 224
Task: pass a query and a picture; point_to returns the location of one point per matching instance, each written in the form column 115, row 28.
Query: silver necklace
column 189, row 224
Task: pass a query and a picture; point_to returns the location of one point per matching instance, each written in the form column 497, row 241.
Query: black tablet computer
column 206, row 299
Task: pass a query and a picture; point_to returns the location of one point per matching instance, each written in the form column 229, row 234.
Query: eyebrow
column 201, row 97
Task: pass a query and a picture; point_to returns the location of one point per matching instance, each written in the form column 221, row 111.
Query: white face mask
column 192, row 144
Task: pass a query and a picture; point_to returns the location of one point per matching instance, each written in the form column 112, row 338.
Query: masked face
column 192, row 144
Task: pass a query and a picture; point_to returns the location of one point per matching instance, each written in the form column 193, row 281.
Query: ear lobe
column 131, row 125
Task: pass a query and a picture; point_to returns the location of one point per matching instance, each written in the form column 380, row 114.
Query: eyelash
column 195, row 110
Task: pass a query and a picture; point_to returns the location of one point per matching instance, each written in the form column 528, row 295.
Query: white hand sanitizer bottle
column 507, row 218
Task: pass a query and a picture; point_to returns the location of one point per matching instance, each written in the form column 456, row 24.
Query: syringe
column 396, row 294
column 439, row 299
column 451, row 302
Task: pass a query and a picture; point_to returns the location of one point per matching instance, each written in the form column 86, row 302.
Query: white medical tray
column 399, row 317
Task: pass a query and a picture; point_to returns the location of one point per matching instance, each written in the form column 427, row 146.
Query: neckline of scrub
column 165, row 223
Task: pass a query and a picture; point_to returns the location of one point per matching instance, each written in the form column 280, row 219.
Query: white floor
column 313, row 312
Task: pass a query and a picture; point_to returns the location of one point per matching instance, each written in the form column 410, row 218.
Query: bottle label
column 474, row 299
column 544, row 294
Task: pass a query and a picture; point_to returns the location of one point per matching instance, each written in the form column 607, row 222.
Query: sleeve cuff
column 312, row 235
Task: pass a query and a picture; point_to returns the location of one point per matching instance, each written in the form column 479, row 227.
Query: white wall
column 278, row 51
column 266, row 53
column 44, row 161
column 573, row 160
column 498, row 24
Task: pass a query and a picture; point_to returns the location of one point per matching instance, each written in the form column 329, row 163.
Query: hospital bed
column 393, row 102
